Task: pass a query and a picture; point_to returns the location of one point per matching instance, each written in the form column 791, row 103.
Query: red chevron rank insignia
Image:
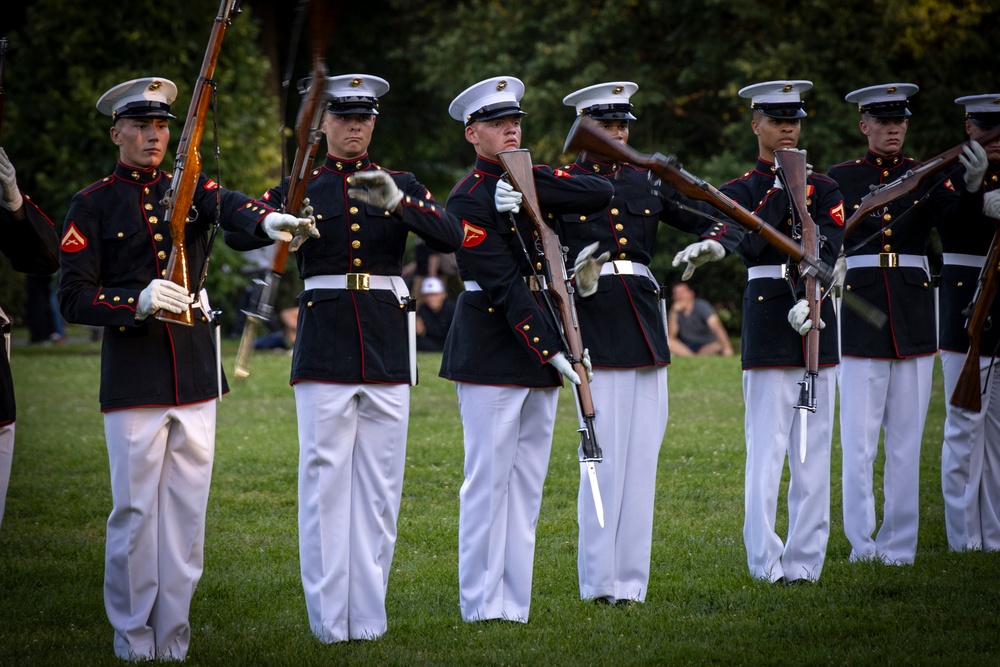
column 837, row 213
column 473, row 235
column 73, row 240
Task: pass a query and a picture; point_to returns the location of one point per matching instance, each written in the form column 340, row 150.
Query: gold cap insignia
column 618, row 90
column 155, row 85
column 501, row 85
column 892, row 89
column 355, row 82
column 788, row 88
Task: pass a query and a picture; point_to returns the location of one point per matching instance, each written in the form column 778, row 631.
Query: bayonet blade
column 595, row 490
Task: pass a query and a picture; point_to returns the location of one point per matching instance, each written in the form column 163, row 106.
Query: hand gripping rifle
column 187, row 164
column 968, row 391
column 791, row 164
column 559, row 291
column 307, row 135
column 884, row 195
column 584, row 136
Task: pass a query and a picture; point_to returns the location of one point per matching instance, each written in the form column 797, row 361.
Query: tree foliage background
column 689, row 57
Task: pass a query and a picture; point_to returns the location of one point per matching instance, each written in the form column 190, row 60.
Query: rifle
column 187, row 164
column 968, row 390
column 791, row 164
column 559, row 290
column 584, row 136
column 883, row 195
column 307, row 135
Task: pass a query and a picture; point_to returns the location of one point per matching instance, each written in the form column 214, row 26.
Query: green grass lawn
column 702, row 606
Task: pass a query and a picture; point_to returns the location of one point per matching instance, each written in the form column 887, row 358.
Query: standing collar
column 136, row 175
column 490, row 167
column 345, row 166
column 595, row 167
column 893, row 160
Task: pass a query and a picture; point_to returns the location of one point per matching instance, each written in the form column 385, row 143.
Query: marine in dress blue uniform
column 351, row 364
column 29, row 240
column 773, row 353
column 158, row 380
column 623, row 328
column 885, row 375
column 970, row 454
column 502, row 352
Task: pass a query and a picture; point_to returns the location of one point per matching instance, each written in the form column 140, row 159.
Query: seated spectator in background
column 283, row 337
column 429, row 263
column 693, row 328
column 434, row 315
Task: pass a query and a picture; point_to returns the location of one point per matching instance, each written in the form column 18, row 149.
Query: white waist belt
column 530, row 281
column 958, row 259
column 359, row 281
column 777, row 271
column 624, row 267
column 887, row 260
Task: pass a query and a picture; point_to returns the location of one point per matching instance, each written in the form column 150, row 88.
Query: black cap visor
column 786, row 111
column 897, row 109
column 610, row 112
column 346, row 106
column 493, row 111
column 144, row 109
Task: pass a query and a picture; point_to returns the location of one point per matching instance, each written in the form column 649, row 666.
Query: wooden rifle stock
column 307, row 137
column 792, row 168
column 968, row 390
column 583, row 136
column 517, row 164
column 187, row 164
column 910, row 181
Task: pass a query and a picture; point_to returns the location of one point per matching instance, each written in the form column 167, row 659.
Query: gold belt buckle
column 887, row 260
column 533, row 284
column 357, row 281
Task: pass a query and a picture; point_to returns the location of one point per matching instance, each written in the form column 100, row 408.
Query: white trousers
column 161, row 468
column 630, row 413
column 893, row 395
column 970, row 460
column 6, row 458
column 352, row 453
column 773, row 427
column 508, row 439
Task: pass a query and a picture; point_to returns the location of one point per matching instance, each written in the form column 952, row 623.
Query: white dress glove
column 11, row 199
column 561, row 364
column 507, row 198
column 973, row 158
column 991, row 204
column 798, row 317
column 378, row 189
column 585, row 360
column 588, row 269
column 162, row 294
column 697, row 254
column 282, row 226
